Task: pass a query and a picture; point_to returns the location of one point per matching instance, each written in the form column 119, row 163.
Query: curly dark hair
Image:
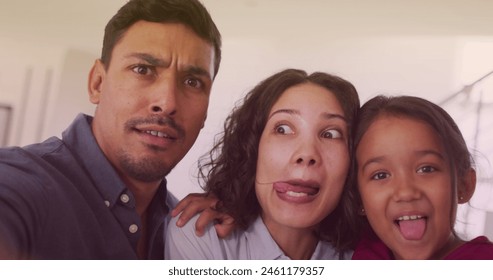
column 229, row 169
column 188, row 12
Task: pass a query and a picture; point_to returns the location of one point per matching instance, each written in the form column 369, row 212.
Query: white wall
column 424, row 48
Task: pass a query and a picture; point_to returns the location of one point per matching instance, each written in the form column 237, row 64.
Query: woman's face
column 303, row 158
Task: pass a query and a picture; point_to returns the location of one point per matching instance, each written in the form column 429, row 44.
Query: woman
column 280, row 170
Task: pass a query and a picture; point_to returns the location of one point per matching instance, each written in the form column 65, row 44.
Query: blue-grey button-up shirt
column 62, row 199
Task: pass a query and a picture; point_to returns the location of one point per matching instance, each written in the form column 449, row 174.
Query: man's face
column 152, row 99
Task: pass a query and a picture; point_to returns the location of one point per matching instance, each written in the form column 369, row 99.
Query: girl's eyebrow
column 296, row 112
column 420, row 153
column 430, row 152
column 372, row 160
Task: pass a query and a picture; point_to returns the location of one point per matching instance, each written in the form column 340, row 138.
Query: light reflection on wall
column 472, row 109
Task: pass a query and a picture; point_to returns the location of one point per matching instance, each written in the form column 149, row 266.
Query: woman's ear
column 467, row 186
column 95, row 81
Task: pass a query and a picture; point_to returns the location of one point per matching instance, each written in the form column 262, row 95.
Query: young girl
column 413, row 168
column 280, row 170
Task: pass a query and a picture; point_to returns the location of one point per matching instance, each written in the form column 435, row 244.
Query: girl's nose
column 405, row 189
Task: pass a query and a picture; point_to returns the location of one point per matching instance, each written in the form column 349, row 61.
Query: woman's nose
column 307, row 153
column 306, row 159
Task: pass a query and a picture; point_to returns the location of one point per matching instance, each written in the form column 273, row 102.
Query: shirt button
column 107, row 203
column 124, row 198
column 133, row 228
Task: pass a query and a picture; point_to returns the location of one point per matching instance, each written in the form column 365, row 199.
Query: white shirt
column 255, row 243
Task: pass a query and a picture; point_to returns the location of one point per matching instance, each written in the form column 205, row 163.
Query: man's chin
column 146, row 171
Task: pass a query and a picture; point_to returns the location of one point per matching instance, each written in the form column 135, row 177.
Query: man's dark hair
column 188, row 12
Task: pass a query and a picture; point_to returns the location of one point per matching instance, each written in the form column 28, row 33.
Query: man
column 99, row 192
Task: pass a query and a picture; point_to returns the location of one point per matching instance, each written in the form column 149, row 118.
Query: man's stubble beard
column 148, row 169
column 143, row 169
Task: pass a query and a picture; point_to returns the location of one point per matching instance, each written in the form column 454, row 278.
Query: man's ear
column 467, row 186
column 95, row 81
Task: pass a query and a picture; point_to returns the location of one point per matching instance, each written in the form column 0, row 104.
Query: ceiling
column 80, row 23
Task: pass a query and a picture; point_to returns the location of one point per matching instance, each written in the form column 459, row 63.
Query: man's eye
column 142, row 70
column 380, row 176
column 331, row 134
column 193, row 83
column 283, row 129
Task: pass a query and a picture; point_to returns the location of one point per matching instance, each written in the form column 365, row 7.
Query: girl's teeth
column 412, row 217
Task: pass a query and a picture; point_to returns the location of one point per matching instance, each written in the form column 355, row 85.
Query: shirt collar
column 261, row 244
column 80, row 140
column 263, row 247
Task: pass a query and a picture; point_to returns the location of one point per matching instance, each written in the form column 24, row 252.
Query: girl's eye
column 426, row 169
column 142, row 70
column 194, row 83
column 331, row 134
column 283, row 129
column 380, row 176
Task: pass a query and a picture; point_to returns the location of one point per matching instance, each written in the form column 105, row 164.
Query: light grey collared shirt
column 255, row 243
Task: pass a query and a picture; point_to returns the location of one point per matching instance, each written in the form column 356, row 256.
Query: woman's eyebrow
column 285, row 111
column 335, row 116
column 296, row 112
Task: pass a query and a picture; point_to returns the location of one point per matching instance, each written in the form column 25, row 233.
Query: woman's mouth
column 297, row 191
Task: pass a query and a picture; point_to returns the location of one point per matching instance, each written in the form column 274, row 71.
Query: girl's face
column 303, row 158
column 405, row 184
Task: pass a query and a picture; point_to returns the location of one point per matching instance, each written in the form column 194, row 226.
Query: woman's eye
column 331, row 134
column 380, row 176
column 141, row 70
column 426, row 169
column 283, row 129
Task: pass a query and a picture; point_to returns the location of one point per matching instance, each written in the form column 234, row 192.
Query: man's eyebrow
column 152, row 60
column 199, row 71
column 158, row 62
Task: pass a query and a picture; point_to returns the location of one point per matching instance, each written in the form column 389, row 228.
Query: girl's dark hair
column 229, row 169
column 458, row 156
column 188, row 12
